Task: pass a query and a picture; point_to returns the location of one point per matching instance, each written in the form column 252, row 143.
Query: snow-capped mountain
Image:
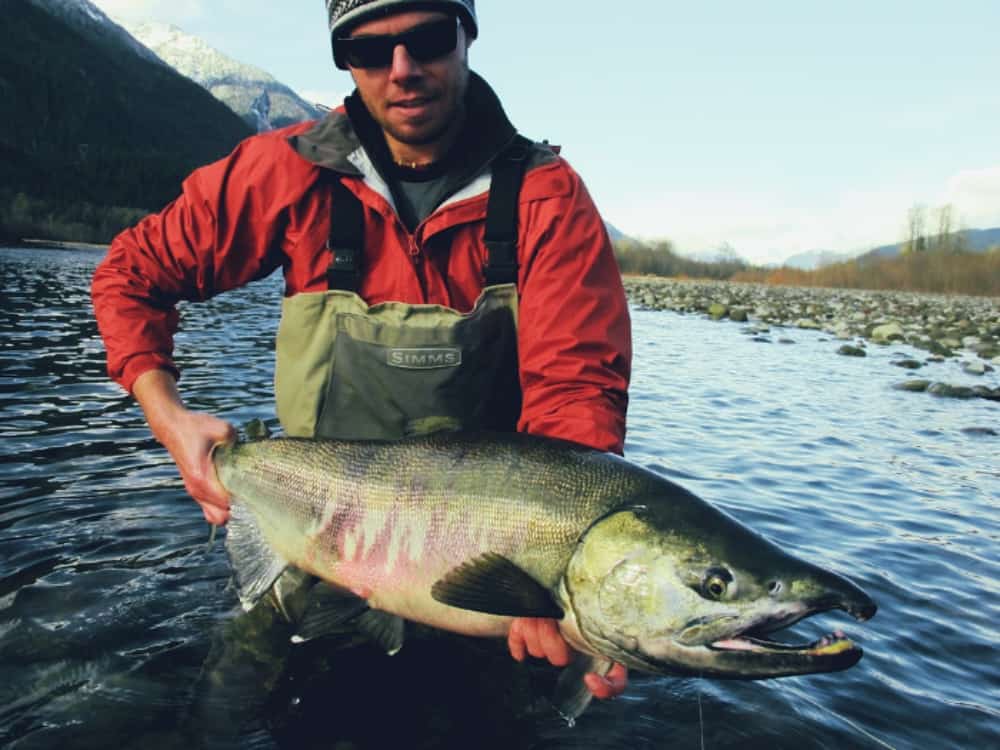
column 89, row 20
column 240, row 86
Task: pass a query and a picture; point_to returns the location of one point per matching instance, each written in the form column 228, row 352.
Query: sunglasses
column 424, row 43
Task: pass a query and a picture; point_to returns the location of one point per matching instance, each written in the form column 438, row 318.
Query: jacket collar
column 331, row 142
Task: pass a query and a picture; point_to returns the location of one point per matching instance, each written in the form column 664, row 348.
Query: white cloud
column 975, row 194
column 768, row 228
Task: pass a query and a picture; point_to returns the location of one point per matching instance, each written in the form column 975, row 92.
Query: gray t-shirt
column 417, row 199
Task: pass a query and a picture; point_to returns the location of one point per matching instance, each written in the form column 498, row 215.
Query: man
column 441, row 271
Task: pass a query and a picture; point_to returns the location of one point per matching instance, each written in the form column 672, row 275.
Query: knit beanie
column 347, row 13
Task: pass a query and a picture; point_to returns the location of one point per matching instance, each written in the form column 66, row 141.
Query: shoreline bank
column 960, row 328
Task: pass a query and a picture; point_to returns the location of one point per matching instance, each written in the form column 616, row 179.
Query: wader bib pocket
column 346, row 370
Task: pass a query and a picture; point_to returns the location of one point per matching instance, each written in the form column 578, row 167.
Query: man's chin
column 418, row 135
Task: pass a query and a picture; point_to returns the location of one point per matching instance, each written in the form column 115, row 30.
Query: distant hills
column 976, row 240
column 89, row 115
column 814, row 259
column 255, row 95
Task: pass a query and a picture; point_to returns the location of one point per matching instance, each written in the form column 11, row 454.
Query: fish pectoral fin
column 493, row 584
column 572, row 696
column 255, row 565
column 327, row 612
column 385, row 629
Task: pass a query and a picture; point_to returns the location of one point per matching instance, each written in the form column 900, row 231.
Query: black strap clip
column 344, row 271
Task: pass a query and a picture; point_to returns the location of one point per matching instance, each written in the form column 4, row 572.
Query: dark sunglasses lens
column 424, row 43
column 370, row 52
column 432, row 41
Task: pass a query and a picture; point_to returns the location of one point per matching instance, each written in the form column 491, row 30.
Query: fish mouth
column 834, row 644
column 753, row 652
column 756, row 647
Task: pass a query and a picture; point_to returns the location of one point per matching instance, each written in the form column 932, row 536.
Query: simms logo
column 425, row 358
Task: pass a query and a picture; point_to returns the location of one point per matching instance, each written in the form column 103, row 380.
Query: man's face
column 417, row 104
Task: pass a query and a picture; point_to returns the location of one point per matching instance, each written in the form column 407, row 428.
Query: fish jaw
column 740, row 648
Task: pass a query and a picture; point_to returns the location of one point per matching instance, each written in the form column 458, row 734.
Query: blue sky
column 776, row 127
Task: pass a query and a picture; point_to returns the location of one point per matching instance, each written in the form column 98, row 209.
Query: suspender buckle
column 344, row 270
column 501, row 266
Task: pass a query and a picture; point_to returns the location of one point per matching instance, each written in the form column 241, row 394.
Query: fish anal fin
column 387, row 630
column 493, row 584
column 256, row 566
column 326, row 613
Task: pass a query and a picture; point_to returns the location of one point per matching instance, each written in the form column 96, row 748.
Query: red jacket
column 265, row 206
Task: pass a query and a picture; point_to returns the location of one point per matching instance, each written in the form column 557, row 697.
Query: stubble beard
column 450, row 123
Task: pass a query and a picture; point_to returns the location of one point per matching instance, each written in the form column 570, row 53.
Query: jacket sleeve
column 219, row 234
column 574, row 332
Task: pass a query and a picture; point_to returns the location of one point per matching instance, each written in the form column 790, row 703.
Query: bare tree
column 915, row 240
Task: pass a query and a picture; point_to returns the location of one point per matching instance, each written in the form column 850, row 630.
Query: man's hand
column 540, row 637
column 189, row 437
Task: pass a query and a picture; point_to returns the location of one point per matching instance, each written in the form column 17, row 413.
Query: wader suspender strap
column 500, row 236
column 347, row 238
column 347, row 224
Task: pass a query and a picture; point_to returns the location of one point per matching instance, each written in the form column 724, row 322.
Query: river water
column 118, row 627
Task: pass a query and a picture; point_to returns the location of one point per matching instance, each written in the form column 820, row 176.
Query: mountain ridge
column 237, row 84
column 86, row 120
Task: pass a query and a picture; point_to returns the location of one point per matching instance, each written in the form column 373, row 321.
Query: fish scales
column 387, row 519
column 463, row 531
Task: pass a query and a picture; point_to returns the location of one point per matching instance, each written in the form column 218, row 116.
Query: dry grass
column 945, row 273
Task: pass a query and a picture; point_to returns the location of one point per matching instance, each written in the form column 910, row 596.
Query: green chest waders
column 352, row 371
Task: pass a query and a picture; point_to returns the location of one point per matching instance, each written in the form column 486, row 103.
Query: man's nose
column 403, row 66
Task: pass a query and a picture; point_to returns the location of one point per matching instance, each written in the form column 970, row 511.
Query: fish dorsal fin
column 326, row 613
column 493, row 584
column 257, row 429
column 385, row 629
column 255, row 565
column 572, row 696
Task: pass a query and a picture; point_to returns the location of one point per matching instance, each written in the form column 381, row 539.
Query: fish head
column 676, row 586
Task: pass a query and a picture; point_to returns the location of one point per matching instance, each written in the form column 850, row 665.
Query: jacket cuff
column 141, row 363
column 598, row 430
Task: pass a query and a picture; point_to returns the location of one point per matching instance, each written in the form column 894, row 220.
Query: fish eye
column 716, row 582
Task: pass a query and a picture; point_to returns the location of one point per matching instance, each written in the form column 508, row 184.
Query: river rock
column 981, row 431
column 916, row 386
column 807, row 323
column 936, row 347
column 976, row 368
column 717, row 310
column 907, row 364
column 852, row 351
column 887, row 332
column 950, row 391
column 738, row 314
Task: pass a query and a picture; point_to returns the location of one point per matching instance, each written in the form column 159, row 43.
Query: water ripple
column 109, row 601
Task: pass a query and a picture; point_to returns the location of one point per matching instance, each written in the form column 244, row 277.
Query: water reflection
column 118, row 626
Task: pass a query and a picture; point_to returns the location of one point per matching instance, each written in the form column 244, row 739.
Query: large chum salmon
column 462, row 532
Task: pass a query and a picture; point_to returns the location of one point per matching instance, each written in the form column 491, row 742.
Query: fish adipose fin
column 255, row 565
column 572, row 696
column 385, row 629
column 327, row 612
column 493, row 584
